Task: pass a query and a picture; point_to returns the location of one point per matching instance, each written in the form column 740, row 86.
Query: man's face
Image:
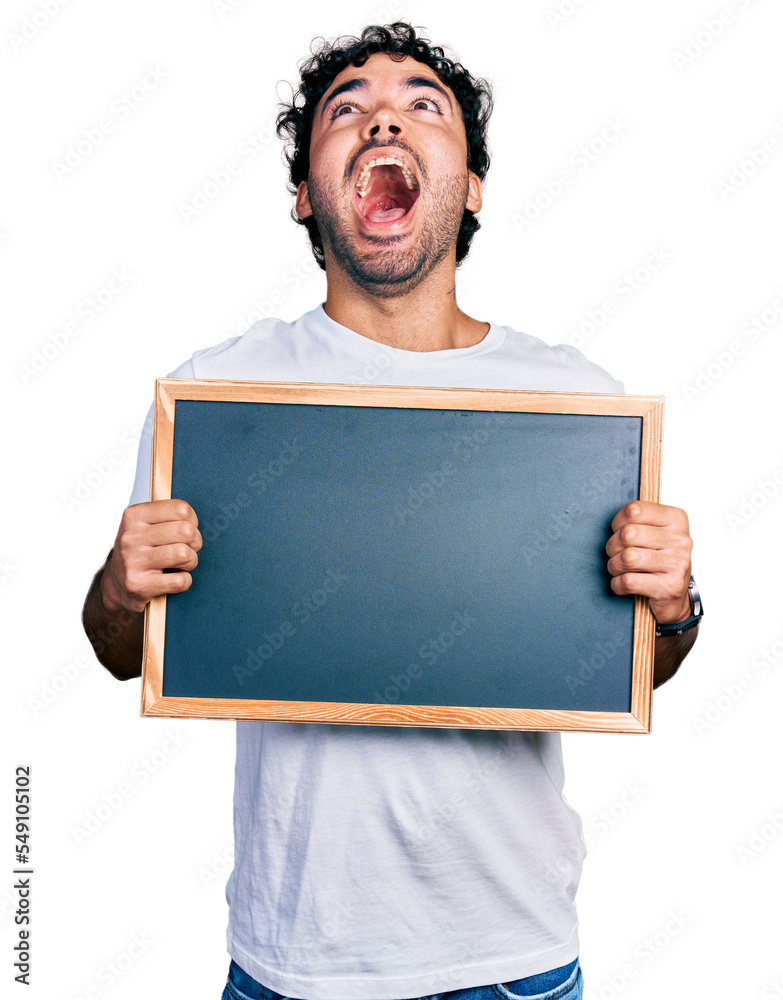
column 387, row 225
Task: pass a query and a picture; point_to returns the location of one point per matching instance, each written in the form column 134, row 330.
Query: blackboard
column 402, row 556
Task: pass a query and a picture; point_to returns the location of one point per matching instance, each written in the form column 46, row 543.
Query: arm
column 650, row 554
column 670, row 651
column 155, row 549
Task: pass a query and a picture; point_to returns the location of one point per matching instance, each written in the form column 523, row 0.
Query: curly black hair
column 295, row 121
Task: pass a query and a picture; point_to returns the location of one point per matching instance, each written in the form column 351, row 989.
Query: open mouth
column 386, row 189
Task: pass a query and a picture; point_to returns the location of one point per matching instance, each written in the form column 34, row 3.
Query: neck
column 424, row 319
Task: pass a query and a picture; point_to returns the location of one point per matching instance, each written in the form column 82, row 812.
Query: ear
column 473, row 204
column 303, row 208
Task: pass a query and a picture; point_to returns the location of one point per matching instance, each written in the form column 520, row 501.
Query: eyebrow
column 343, row 88
column 360, row 82
column 414, row 82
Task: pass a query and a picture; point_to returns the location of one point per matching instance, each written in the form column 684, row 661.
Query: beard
column 387, row 269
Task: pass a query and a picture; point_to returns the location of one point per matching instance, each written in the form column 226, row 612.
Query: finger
column 645, row 536
column 645, row 512
column 158, row 511
column 155, row 547
column 175, row 556
column 145, row 586
column 656, row 586
column 167, row 533
column 650, row 561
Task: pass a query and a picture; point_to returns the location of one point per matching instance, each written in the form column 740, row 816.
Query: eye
column 344, row 108
column 426, row 104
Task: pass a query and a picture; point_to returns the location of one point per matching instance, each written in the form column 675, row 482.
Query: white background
column 686, row 826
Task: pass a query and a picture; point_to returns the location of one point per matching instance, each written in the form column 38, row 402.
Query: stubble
column 387, row 268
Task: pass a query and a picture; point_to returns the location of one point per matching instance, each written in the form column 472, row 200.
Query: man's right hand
column 153, row 537
column 156, row 548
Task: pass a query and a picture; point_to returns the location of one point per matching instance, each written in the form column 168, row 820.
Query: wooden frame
column 649, row 409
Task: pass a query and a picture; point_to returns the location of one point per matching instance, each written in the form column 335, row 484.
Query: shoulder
column 238, row 357
column 559, row 364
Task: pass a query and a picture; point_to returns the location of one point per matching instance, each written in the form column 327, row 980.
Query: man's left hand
column 650, row 554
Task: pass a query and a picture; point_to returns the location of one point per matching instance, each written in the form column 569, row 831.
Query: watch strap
column 696, row 615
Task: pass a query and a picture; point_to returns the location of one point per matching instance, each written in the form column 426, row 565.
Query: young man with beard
column 348, row 882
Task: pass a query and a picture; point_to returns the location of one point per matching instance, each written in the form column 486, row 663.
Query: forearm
column 670, row 651
column 117, row 637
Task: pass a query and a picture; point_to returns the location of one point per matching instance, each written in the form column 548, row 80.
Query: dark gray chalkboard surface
column 402, row 556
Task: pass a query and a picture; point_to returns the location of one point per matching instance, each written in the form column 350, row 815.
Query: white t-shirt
column 376, row 862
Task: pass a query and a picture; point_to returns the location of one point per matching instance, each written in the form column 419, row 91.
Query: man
column 343, row 887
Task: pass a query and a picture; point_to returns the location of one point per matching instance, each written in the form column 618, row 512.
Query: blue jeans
column 564, row 983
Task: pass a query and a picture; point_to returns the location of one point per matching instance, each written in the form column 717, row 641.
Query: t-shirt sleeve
column 141, row 485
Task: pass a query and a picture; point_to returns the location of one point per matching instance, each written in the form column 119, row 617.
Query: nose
column 394, row 129
column 382, row 119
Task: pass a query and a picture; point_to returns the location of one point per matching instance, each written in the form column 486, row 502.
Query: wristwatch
column 697, row 612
